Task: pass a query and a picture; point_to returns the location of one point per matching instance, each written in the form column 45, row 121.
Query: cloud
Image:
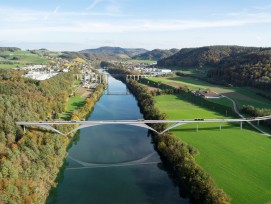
column 56, row 9
column 266, row 7
column 131, row 26
column 15, row 22
column 93, row 4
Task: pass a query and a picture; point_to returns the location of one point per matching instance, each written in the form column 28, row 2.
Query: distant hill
column 74, row 55
column 251, row 68
column 9, row 49
column 203, row 56
column 236, row 65
column 156, row 54
column 115, row 51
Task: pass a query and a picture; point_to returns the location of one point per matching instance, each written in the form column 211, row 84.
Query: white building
column 40, row 75
column 165, row 71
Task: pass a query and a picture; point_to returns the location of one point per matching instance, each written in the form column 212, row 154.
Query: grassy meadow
column 74, row 102
column 241, row 95
column 238, row 160
column 19, row 58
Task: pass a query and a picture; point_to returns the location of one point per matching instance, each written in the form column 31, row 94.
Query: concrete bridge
column 139, row 123
column 127, row 77
column 139, row 76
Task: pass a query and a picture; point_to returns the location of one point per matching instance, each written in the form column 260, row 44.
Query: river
column 115, row 163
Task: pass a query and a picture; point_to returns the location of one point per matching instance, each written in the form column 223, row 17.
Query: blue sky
column 80, row 24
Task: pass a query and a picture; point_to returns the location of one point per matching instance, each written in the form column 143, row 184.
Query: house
column 206, row 95
column 211, row 95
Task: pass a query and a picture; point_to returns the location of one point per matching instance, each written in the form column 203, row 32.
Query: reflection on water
column 115, row 163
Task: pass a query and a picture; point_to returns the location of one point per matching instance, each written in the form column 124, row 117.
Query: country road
column 235, row 108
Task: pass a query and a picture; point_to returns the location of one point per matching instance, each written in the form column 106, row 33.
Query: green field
column 73, row 103
column 241, row 95
column 19, row 58
column 238, row 160
column 192, row 71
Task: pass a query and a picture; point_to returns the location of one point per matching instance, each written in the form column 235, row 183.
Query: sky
column 74, row 25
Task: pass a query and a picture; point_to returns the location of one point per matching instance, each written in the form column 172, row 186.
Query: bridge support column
column 258, row 122
column 241, row 125
column 127, row 91
column 24, row 129
column 197, row 127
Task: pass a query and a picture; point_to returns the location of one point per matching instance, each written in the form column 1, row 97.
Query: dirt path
column 238, row 113
column 83, row 92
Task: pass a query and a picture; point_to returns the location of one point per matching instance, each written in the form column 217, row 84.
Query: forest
column 30, row 161
column 248, row 69
column 156, row 54
column 228, row 65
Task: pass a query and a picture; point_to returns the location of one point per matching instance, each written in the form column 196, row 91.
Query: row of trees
column 184, row 93
column 265, row 95
column 178, row 154
column 30, row 162
column 257, row 112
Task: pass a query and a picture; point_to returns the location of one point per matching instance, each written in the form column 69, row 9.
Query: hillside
column 204, row 56
column 11, row 57
column 245, row 69
column 9, row 49
column 115, row 51
column 30, row 161
column 156, row 54
column 236, row 65
column 91, row 56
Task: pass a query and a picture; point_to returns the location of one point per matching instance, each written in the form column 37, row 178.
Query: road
column 249, row 122
column 140, row 123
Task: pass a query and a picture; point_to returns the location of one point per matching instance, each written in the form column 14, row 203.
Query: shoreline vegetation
column 30, row 162
column 180, row 156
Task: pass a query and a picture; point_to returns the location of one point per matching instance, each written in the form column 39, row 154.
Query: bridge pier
column 258, row 122
column 197, row 127
column 241, row 125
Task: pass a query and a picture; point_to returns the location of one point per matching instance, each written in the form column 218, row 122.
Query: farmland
column 20, row 58
column 236, row 159
column 242, row 95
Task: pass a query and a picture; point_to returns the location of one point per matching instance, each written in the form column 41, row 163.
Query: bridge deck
column 142, row 121
column 139, row 123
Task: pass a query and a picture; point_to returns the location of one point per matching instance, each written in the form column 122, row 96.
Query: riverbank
column 30, row 160
column 179, row 154
column 236, row 159
column 80, row 111
column 123, row 155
